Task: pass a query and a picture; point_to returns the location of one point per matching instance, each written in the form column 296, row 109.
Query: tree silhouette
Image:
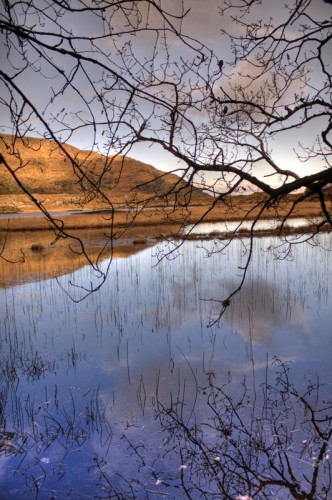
column 124, row 73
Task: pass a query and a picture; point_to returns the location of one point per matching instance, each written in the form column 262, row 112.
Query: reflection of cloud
column 262, row 313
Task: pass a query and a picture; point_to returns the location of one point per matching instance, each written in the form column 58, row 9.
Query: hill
column 45, row 170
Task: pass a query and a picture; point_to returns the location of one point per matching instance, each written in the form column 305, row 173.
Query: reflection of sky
column 163, row 303
column 145, row 331
column 265, row 224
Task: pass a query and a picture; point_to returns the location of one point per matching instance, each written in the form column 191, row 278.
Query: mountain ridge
column 45, row 169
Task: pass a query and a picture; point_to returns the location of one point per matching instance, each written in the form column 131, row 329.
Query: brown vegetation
column 45, row 171
column 155, row 216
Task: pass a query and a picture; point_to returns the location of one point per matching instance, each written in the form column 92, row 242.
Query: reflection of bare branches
column 279, row 449
column 270, row 446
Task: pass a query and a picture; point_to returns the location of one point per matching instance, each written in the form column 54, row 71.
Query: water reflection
column 130, row 385
column 255, row 446
column 37, row 255
column 262, row 224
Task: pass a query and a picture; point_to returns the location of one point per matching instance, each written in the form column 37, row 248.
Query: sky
column 202, row 22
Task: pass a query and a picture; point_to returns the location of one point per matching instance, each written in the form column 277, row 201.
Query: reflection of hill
column 30, row 256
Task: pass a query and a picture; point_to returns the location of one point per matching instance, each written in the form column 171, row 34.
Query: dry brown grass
column 154, row 217
column 45, row 170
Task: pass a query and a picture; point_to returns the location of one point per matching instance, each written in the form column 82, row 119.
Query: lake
column 134, row 391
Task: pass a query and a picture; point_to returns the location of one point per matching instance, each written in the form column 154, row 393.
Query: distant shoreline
column 18, row 213
column 73, row 218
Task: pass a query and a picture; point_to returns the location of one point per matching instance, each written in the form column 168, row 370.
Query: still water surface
column 262, row 224
column 129, row 394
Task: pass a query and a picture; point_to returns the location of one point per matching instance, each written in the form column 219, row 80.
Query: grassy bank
column 92, row 218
